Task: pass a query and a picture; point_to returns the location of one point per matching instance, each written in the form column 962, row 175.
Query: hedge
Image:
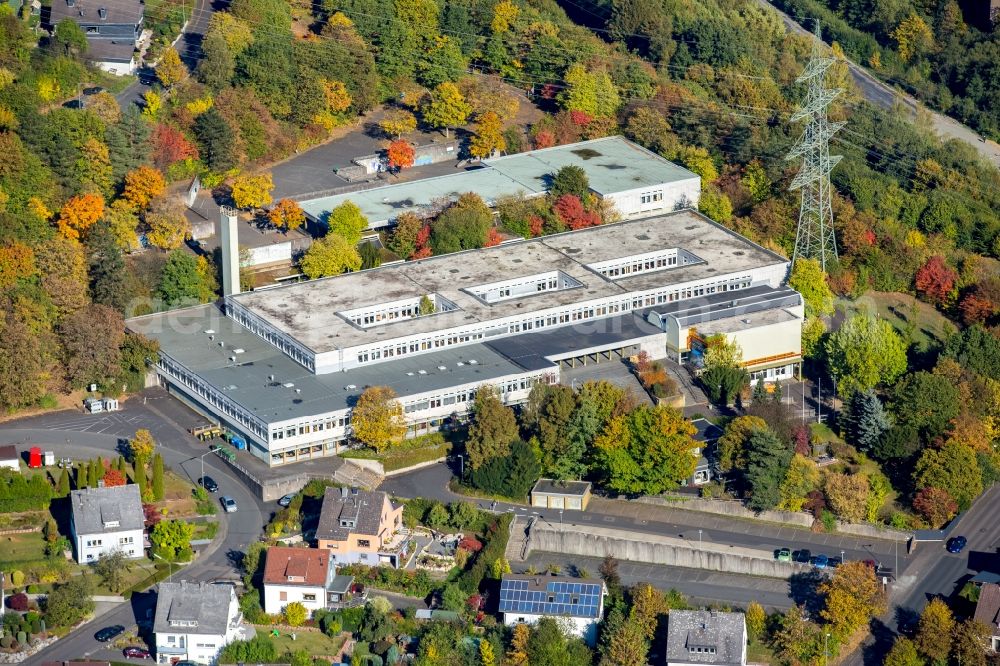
column 496, row 547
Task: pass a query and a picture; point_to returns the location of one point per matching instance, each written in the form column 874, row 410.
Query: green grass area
column 138, row 572
column 919, row 323
column 759, row 653
column 407, row 453
column 18, row 547
column 313, row 641
column 205, row 530
column 821, row 432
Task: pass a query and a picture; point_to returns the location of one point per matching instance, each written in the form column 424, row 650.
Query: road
column 882, row 95
column 188, row 45
column 77, row 435
column 432, row 482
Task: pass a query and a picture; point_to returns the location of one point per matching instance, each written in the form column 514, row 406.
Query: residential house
column 194, row 621
column 9, row 458
column 306, row 575
column 578, row 603
column 706, row 638
column 113, row 28
column 707, row 435
column 988, row 612
column 362, row 526
column 103, row 520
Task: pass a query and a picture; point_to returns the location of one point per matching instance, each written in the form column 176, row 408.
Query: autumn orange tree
column 400, row 154
column 377, row 418
column 142, row 185
column 16, row 261
column 287, row 214
column 79, row 213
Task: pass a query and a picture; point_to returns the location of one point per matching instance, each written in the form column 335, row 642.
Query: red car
column 135, row 653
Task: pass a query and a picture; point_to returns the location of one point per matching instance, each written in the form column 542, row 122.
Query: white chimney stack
column 229, row 243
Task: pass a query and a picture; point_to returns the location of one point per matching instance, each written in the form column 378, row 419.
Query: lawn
column 138, row 571
column 20, row 547
column 918, row 322
column 313, row 641
column 178, row 496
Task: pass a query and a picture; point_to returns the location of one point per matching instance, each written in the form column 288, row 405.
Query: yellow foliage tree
column 167, row 228
column 16, row 261
column 142, row 445
column 79, row 213
column 151, row 104
column 93, row 166
column 517, row 653
column 377, row 418
column 446, row 108
column 122, row 222
column 338, row 99
column 398, row 122
column 252, row 191
column 330, row 255
column 489, row 136
column 913, row 36
column 698, row 160
column 504, row 14
column 142, row 185
column 199, row 106
column 853, row 597
column 171, row 70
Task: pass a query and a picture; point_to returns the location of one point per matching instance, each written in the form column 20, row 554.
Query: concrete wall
column 736, row 509
column 595, row 541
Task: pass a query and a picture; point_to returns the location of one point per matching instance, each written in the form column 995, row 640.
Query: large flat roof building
column 283, row 365
column 636, row 180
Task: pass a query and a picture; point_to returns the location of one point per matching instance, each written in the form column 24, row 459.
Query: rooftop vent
column 221, row 343
column 298, row 390
column 103, row 13
column 460, row 364
column 70, row 3
column 350, row 387
column 746, row 321
column 421, row 372
column 288, row 385
column 409, row 374
column 270, row 378
column 208, row 331
column 473, row 361
column 442, row 367
column 238, row 350
column 343, row 492
column 232, row 359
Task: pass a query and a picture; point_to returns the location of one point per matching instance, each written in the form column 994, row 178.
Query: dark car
column 73, row 104
column 136, row 653
column 821, row 561
column 287, row 499
column 835, row 562
column 93, row 90
column 956, row 544
column 209, row 483
column 108, row 633
column 804, row 556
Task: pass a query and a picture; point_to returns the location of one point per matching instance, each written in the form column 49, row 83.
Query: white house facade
column 194, row 621
column 577, row 604
column 105, row 520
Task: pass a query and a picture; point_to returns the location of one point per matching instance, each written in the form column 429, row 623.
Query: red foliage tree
column 151, row 514
column 400, row 154
column 471, row 544
column 935, row 505
column 934, row 280
column 975, row 309
column 535, row 225
column 544, row 139
column 570, row 210
column 493, row 238
column 18, row 602
column 581, row 118
column 170, row 145
column 112, row 477
column 800, row 437
column 423, row 241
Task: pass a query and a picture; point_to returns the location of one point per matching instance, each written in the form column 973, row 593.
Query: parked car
column 821, row 561
column 287, row 499
column 228, row 503
column 135, row 653
column 93, row 90
column 956, row 544
column 108, row 633
column 835, row 562
column 209, row 484
column 804, row 556
column 785, row 555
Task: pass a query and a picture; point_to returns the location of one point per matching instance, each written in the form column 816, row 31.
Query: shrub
column 18, row 602
column 17, row 578
column 295, row 614
column 471, row 544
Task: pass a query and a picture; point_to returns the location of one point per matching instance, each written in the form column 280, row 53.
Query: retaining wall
column 654, row 549
column 736, row 509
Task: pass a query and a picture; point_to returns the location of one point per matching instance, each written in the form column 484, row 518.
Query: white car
column 228, row 503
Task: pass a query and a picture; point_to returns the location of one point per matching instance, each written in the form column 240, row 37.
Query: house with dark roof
column 577, row 603
column 304, row 575
column 706, row 638
column 9, row 458
column 113, row 28
column 362, row 526
column 103, row 520
column 194, row 621
column 988, row 612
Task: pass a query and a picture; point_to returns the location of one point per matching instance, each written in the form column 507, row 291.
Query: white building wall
column 200, row 648
column 269, row 254
column 116, row 68
column 274, row 604
column 580, row 627
column 673, row 196
column 12, row 464
column 90, row 547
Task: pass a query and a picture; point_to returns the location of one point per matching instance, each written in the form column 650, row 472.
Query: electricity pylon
column 815, row 238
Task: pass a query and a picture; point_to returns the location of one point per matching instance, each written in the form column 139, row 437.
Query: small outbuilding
column 9, row 459
column 569, row 495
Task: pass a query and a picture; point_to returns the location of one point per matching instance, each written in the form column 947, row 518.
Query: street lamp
column 461, row 467
column 202, row 456
column 560, row 517
column 699, row 538
column 826, row 652
column 169, row 564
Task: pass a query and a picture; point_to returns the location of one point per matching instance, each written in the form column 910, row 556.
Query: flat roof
column 308, row 311
column 613, row 164
column 568, row 488
column 248, row 382
column 746, row 322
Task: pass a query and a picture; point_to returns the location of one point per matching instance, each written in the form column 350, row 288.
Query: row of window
column 216, row 399
column 651, row 197
column 316, row 426
column 640, row 266
column 406, row 309
column 554, row 281
column 257, row 326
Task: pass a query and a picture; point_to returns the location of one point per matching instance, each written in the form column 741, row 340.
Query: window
column 364, row 543
column 282, row 596
column 308, row 597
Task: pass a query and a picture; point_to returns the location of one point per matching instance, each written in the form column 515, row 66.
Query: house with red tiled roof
column 305, row 575
column 988, row 612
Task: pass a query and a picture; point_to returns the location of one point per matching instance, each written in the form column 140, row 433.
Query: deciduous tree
column 141, row 446
column 170, row 71
column 493, row 428
column 398, row 122
column 866, row 352
column 903, row 653
column 954, row 468
column 331, row 255
column 934, row 631
column 79, row 213
column 252, row 191
column 733, row 445
column 113, row 568
column 287, row 214
column 847, row 494
column 69, row 602
column 170, row 146
column 913, row 37
column 853, row 597
column 400, row 154
column 489, row 136
column 592, row 92
column 936, row 281
column 377, row 418
column 968, row 639
column 403, row 240
column 809, row 280
column 446, row 108
column 347, row 221
column 172, row 538
column 167, row 227
column 926, row 401
column 91, row 338
column 142, row 185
